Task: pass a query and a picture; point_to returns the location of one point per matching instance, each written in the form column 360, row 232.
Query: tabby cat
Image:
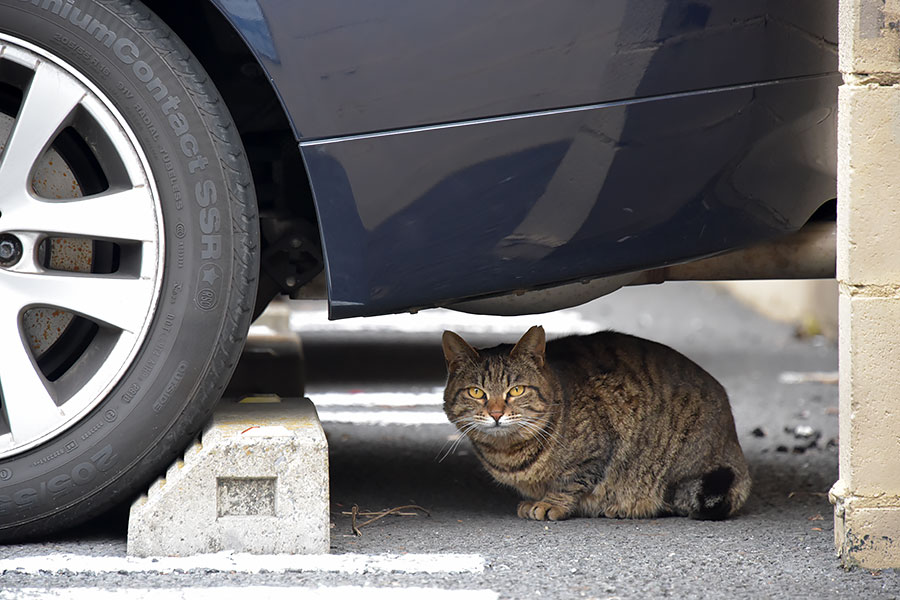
column 599, row 425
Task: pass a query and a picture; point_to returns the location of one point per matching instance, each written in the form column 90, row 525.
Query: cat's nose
column 496, row 414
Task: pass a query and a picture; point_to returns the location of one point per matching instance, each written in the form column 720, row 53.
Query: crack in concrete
column 878, row 79
column 868, row 290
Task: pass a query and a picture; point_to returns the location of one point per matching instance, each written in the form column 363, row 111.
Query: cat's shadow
column 412, row 471
column 785, row 483
column 382, row 473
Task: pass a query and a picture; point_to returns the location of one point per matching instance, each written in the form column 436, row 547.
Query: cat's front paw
column 542, row 511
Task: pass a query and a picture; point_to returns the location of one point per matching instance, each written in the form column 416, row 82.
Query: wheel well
column 283, row 192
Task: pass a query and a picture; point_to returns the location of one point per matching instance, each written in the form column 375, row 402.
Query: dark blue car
column 168, row 168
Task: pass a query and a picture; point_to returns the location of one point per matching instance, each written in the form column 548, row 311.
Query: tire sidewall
column 138, row 424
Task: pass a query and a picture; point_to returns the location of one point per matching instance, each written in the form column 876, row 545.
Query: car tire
column 128, row 256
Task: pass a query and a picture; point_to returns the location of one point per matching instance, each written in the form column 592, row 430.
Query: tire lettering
column 178, row 123
column 209, row 285
column 89, row 24
column 211, row 247
column 59, row 485
column 146, row 119
column 210, row 222
column 205, row 192
column 170, row 104
column 125, row 90
column 101, row 33
column 105, row 459
column 97, row 427
column 209, row 219
column 154, row 358
column 198, row 163
column 161, row 90
column 127, row 52
column 48, row 458
column 130, row 393
column 168, row 323
column 170, row 388
column 142, row 71
column 73, row 46
column 25, row 497
column 84, row 473
column 65, row 9
column 173, row 181
column 73, row 18
column 188, row 145
column 119, row 50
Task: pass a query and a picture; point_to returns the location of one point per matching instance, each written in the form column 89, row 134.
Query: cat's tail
column 715, row 495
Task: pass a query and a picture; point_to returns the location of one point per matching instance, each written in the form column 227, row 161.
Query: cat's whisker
column 462, row 434
column 450, row 450
column 465, row 430
column 534, row 433
column 456, row 422
column 543, row 434
column 537, row 433
column 551, row 436
column 448, row 446
column 539, row 427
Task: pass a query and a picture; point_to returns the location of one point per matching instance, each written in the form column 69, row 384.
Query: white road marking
column 327, row 402
column 273, row 593
column 388, row 417
column 247, row 563
column 308, row 317
column 386, row 399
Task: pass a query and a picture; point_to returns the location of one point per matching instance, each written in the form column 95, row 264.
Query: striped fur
column 607, row 425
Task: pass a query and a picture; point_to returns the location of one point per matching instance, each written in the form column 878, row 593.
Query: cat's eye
column 476, row 393
column 516, row 391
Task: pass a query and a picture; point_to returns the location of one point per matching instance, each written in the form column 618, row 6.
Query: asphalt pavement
column 376, row 385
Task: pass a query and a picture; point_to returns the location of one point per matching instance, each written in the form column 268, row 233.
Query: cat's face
column 495, row 392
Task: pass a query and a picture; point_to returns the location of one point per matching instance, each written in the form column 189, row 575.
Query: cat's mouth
column 493, row 427
column 494, row 430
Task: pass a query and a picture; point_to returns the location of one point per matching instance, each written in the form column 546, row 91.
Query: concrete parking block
column 256, row 482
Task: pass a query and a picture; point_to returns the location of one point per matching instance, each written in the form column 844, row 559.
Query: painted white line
column 305, row 319
column 273, row 593
column 829, row 377
column 248, row 563
column 386, row 399
column 388, row 417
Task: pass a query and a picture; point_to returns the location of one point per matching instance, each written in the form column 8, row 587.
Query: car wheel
column 128, row 260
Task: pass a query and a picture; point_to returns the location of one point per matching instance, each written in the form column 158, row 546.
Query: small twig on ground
column 820, row 494
column 397, row 510
column 353, row 512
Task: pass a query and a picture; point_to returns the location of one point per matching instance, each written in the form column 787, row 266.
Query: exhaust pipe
column 810, row 253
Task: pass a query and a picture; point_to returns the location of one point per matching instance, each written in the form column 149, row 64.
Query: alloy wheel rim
column 85, row 264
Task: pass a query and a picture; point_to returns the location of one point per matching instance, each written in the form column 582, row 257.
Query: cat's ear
column 532, row 344
column 457, row 350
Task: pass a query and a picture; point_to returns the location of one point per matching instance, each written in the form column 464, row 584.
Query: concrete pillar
column 867, row 496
